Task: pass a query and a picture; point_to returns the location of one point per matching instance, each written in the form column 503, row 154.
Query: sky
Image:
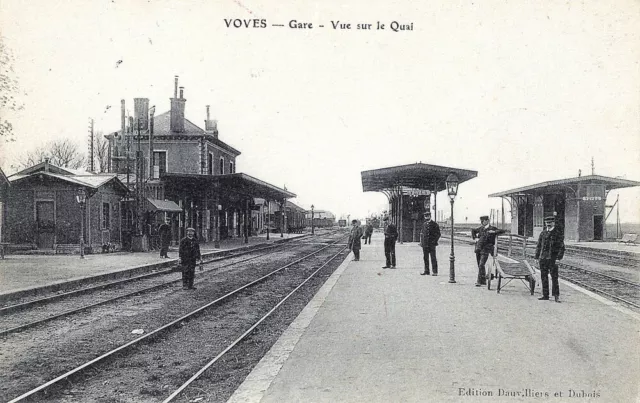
column 522, row 92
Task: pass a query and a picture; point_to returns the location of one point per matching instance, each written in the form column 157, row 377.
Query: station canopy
column 239, row 183
column 413, row 176
column 560, row 185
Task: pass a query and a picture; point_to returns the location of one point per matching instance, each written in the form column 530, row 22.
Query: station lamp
column 81, row 198
column 452, row 190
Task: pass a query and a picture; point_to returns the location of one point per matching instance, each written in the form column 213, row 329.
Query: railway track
column 22, row 316
column 613, row 287
column 168, row 336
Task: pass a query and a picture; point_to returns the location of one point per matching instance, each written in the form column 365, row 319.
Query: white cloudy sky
column 522, row 92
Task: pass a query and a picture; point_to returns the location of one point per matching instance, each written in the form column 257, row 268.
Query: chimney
column 211, row 126
column 46, row 164
column 175, row 88
column 177, row 109
column 141, row 113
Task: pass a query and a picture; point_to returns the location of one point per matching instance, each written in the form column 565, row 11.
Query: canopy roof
column 417, row 176
column 163, row 205
column 560, row 185
column 238, row 182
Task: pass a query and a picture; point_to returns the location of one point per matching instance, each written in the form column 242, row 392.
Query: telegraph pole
column 91, row 165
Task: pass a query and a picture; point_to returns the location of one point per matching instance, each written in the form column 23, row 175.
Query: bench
column 629, row 239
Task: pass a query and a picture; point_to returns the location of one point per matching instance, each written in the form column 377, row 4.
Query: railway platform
column 22, row 274
column 392, row 335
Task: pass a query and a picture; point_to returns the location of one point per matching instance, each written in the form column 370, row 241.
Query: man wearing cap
column 549, row 249
column 189, row 253
column 354, row 239
column 390, row 236
column 429, row 236
column 485, row 237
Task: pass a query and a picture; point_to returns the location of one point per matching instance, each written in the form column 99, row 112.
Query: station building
column 41, row 209
column 579, row 205
column 184, row 174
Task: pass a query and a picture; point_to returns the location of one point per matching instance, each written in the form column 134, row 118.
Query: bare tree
column 62, row 153
column 101, row 151
column 8, row 89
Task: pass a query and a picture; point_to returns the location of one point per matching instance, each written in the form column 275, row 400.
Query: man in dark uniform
column 549, row 249
column 429, row 236
column 164, row 232
column 390, row 236
column 354, row 240
column 189, row 253
column 368, row 230
column 485, row 237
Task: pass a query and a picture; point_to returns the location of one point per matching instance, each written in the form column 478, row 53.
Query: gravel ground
column 152, row 371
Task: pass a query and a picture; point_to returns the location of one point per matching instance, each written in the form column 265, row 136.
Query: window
column 231, row 167
column 160, row 160
column 221, row 165
column 210, row 163
column 106, row 216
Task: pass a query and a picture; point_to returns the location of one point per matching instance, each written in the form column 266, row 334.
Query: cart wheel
column 532, row 284
column 499, row 282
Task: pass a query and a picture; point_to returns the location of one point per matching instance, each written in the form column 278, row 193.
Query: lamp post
column 452, row 191
column 266, row 212
column 312, row 227
column 216, row 242
column 81, row 198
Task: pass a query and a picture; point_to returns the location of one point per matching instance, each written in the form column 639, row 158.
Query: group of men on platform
column 549, row 249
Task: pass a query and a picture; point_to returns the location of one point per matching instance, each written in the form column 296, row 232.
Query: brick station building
column 182, row 173
column 40, row 209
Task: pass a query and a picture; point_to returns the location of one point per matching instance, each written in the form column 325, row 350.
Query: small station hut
column 578, row 204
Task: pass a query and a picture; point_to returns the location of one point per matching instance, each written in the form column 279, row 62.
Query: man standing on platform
column 429, row 237
column 549, row 249
column 390, row 236
column 485, row 237
column 164, row 233
column 189, row 253
column 354, row 240
column 368, row 230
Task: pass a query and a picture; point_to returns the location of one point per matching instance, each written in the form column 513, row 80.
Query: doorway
column 597, row 227
column 45, row 220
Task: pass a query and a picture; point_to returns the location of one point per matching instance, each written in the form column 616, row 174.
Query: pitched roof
column 93, row 181
column 162, row 127
column 42, row 166
column 610, row 183
column 3, row 178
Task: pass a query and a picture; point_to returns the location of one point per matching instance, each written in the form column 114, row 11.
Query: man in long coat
column 164, row 232
column 354, row 240
column 485, row 236
column 390, row 237
column 189, row 254
column 368, row 231
column 550, row 248
column 429, row 236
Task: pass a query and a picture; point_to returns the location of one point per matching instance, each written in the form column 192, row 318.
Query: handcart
column 507, row 269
